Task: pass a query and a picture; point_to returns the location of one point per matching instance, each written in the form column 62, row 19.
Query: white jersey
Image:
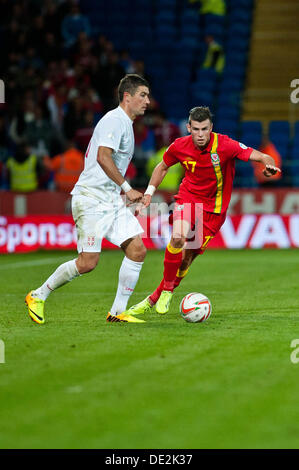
column 114, row 130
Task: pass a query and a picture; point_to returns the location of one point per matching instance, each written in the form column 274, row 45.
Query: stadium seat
column 279, row 134
column 294, row 154
column 296, row 128
column 240, row 16
column 228, row 112
column 189, row 16
column 295, row 173
column 189, row 31
column 206, row 74
column 203, row 86
column 202, row 98
column 239, row 30
column 235, row 71
column 165, row 17
column 189, row 42
column 234, row 57
column 231, row 84
column 251, row 133
column 251, row 127
column 240, row 46
column 279, row 129
column 167, row 3
column 227, row 126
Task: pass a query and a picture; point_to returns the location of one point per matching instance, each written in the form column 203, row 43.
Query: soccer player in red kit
column 209, row 162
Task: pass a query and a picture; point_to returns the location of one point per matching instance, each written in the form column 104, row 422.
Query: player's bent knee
column 86, row 264
column 178, row 241
column 135, row 250
column 139, row 253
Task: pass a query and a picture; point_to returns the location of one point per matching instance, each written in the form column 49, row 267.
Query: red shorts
column 203, row 225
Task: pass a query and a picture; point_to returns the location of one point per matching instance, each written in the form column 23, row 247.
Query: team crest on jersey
column 90, row 241
column 215, row 158
column 180, row 207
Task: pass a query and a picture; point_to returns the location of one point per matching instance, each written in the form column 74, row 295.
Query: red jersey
column 209, row 173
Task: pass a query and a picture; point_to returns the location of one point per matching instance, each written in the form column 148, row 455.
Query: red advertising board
column 24, row 234
column 244, row 201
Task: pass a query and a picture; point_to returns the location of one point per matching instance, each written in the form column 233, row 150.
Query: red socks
column 172, row 262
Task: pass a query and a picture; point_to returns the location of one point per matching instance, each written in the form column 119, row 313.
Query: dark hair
column 130, row 83
column 200, row 113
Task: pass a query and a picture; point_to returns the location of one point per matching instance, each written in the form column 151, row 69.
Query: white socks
column 128, row 277
column 63, row 274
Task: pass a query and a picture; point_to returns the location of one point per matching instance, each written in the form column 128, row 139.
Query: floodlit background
column 81, row 383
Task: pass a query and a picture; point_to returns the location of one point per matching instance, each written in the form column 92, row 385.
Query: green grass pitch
column 78, row 382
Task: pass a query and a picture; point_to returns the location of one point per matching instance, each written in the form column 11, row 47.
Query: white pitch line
column 37, row 262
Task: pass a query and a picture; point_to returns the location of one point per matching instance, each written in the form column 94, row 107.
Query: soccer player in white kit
column 98, row 209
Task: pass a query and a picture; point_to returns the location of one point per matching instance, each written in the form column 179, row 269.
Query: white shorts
column 96, row 220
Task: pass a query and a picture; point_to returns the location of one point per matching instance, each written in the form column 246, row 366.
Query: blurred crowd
column 59, row 81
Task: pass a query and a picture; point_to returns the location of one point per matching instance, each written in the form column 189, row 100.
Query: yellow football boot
column 163, row 304
column 123, row 317
column 35, row 308
column 142, row 307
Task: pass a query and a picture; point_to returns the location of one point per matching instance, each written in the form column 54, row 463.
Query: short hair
column 130, row 83
column 200, row 113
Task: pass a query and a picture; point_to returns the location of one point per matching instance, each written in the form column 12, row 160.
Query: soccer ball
column 195, row 307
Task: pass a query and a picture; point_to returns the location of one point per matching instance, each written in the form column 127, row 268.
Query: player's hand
column 147, row 200
column 143, row 205
column 271, row 170
column 134, row 196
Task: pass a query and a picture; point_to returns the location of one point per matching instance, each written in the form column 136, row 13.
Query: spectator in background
column 39, row 133
column 37, row 33
column 66, row 166
column 23, row 170
column 84, row 131
column 144, row 140
column 269, row 148
column 127, row 62
column 57, row 105
column 82, row 50
column 215, row 57
column 73, row 24
column 211, row 7
column 164, row 130
column 74, row 114
column 174, row 175
column 19, row 123
column 139, row 68
column 50, row 51
column 5, row 142
column 52, row 19
column 144, row 148
column 109, row 77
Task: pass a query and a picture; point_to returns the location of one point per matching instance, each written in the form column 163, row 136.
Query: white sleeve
column 108, row 133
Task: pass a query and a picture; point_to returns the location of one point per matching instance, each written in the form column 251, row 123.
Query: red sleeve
column 169, row 156
column 238, row 150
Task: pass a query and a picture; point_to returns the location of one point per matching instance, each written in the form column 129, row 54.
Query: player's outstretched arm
column 270, row 168
column 105, row 160
column 157, row 177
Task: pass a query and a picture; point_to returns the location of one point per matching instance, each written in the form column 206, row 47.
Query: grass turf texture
column 79, row 382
